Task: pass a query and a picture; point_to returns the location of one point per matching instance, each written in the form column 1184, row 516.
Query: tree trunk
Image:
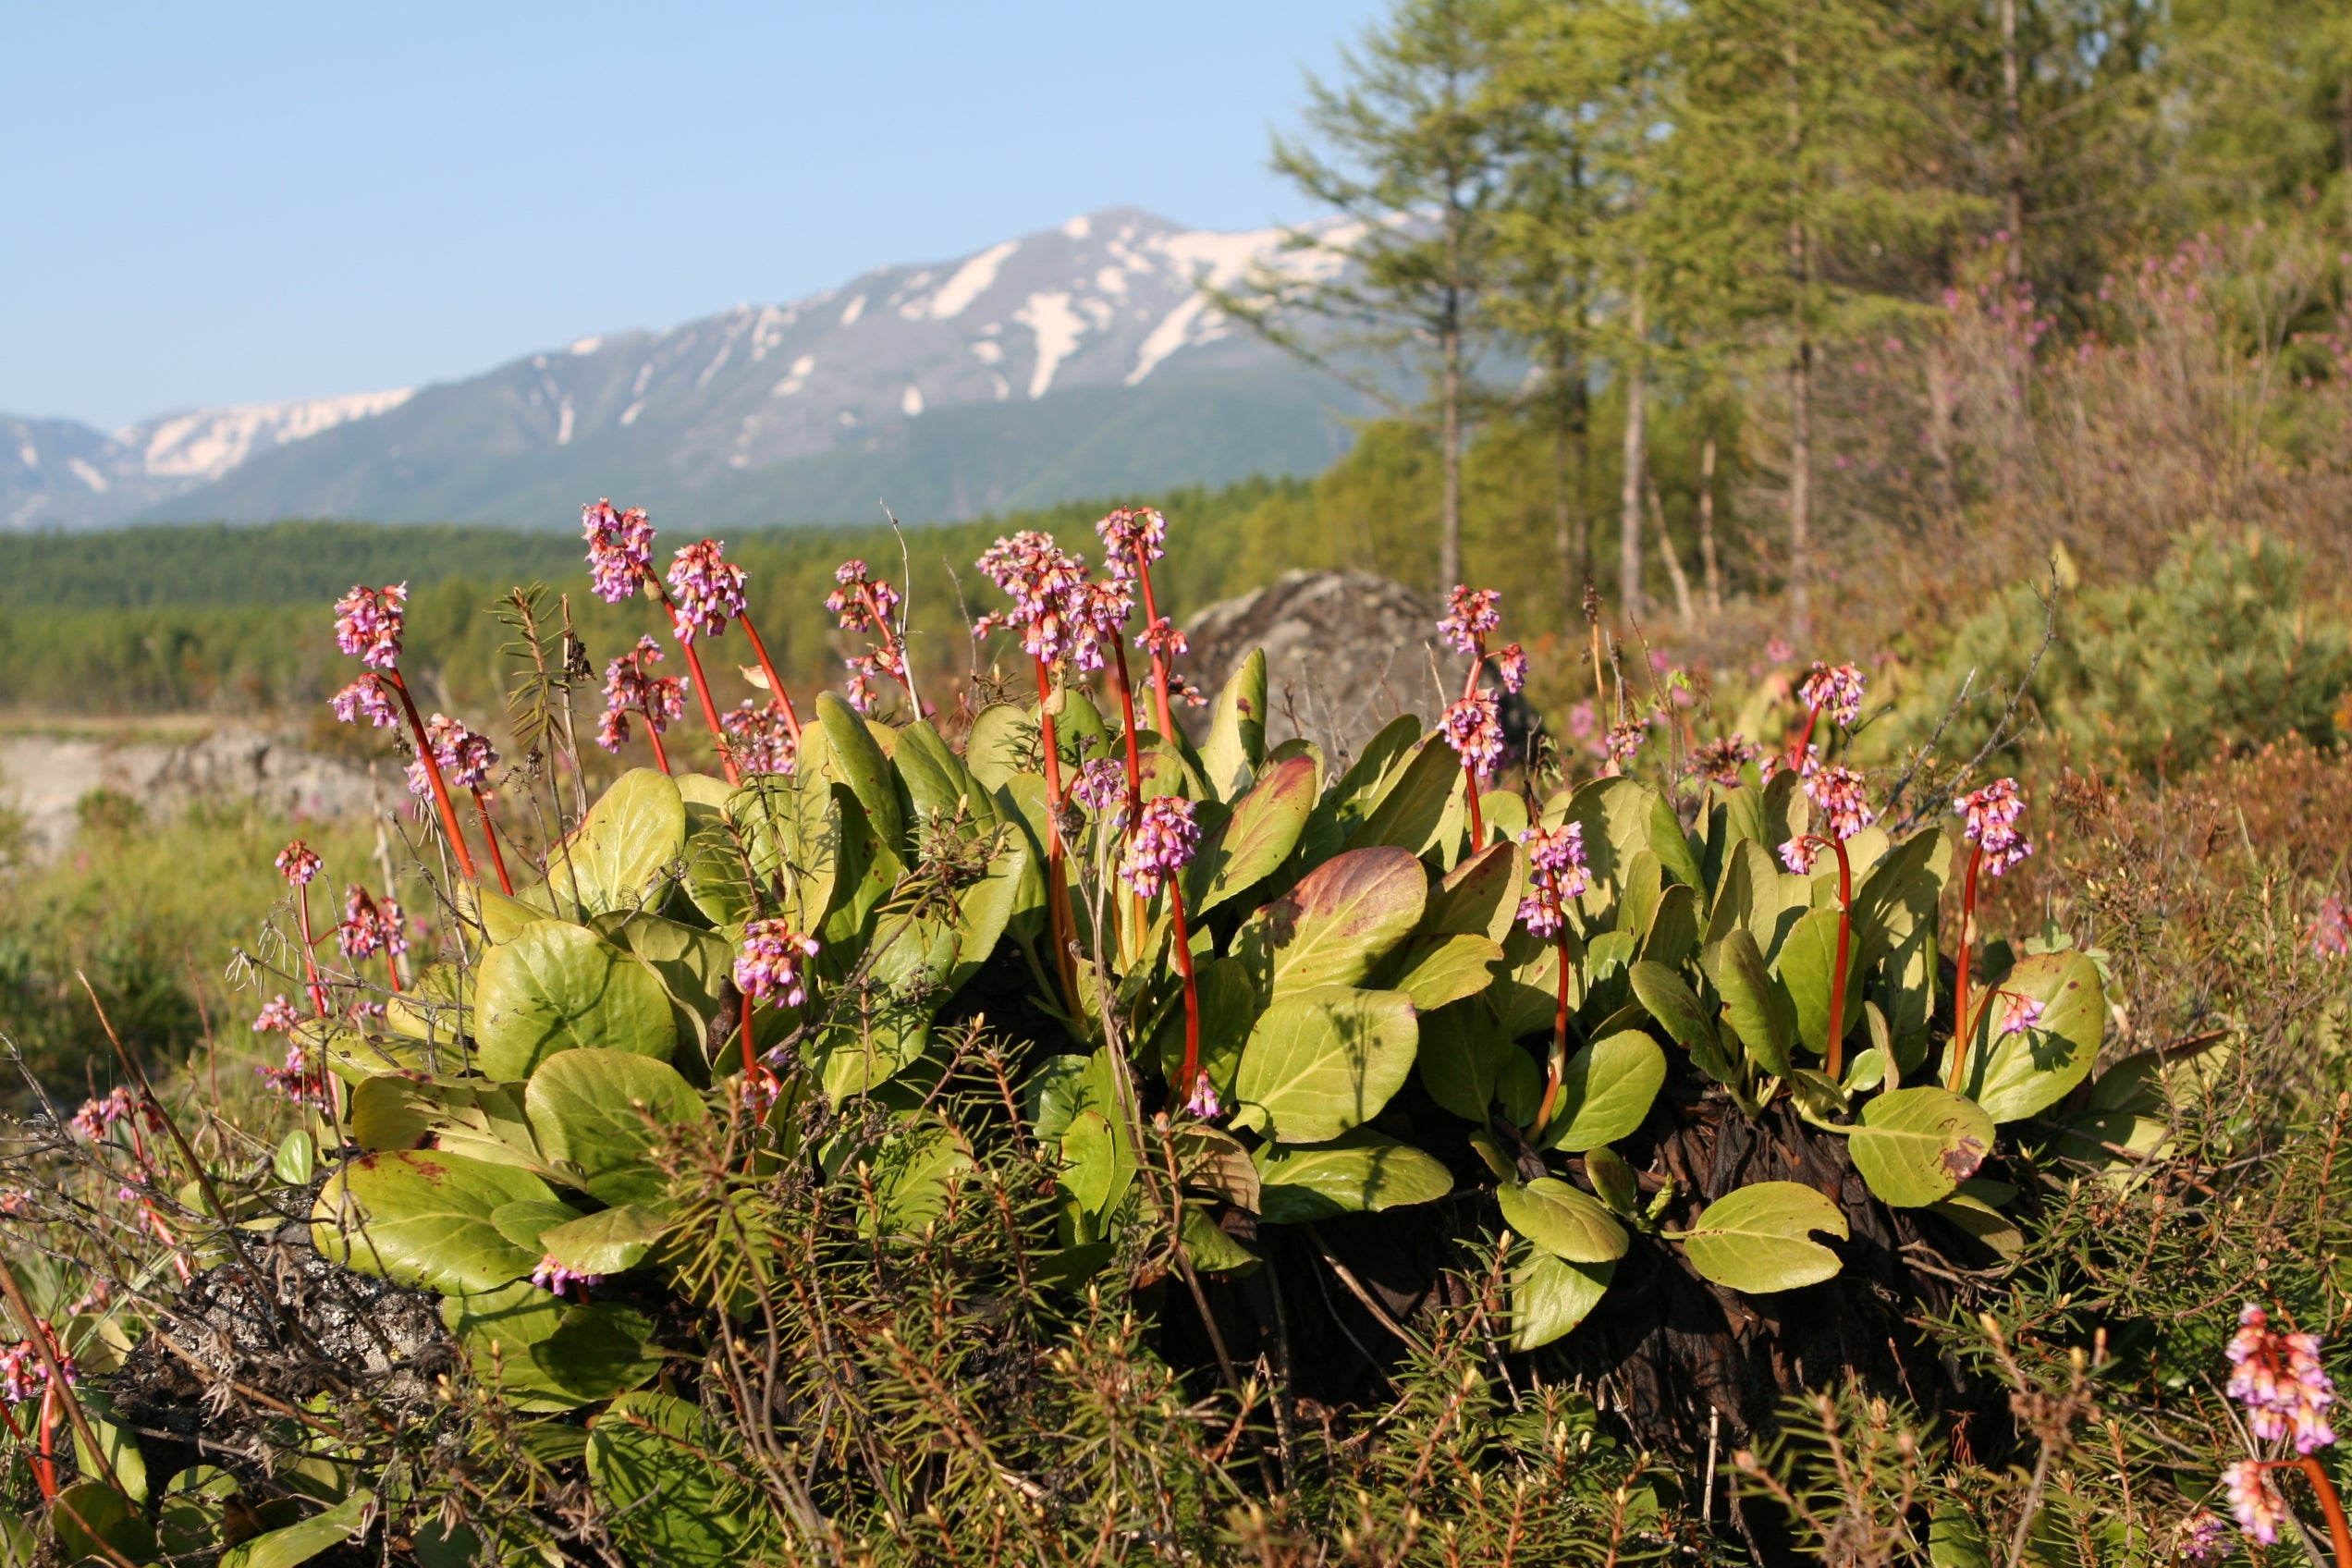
column 1450, row 517
column 1674, row 574
column 1800, row 487
column 1573, row 543
column 1629, row 516
column 2013, row 134
column 1706, row 523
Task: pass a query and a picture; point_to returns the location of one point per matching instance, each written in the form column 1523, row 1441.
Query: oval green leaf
column 1362, row 1172
column 1563, row 1220
column 602, row 1111
column 1916, row 1145
column 423, row 1217
column 1758, row 1240
column 1607, row 1090
column 1322, row 1060
column 2026, row 1073
column 559, row 987
column 1340, row 920
column 632, row 834
column 1550, row 1295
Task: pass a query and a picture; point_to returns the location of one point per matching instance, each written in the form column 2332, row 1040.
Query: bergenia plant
column 463, row 757
column 1473, row 723
column 633, row 692
column 369, row 623
column 862, row 603
column 1556, row 879
column 1836, row 690
column 1840, row 794
column 1989, row 823
column 2277, row 1377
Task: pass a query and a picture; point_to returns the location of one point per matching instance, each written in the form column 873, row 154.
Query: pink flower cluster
column 1835, row 690
column 1101, row 788
column 621, row 547
column 1510, row 667
column 1162, row 844
column 1471, row 614
column 2331, row 929
column 633, row 691
column 863, row 602
column 22, row 1374
column 2022, row 1013
column 298, row 862
column 297, row 1080
column 368, row 623
column 1991, row 816
column 2200, row 1536
column 2254, row 1499
column 277, row 1016
column 1472, row 726
column 1620, row 744
column 1131, row 534
column 757, row 740
column 773, row 963
column 1839, row 794
column 364, row 698
column 1038, row 576
column 555, row 1280
column 2279, row 1379
column 706, row 588
column 1555, row 875
column 95, row 1116
column 369, row 927
column 1202, row 1102
column 465, row 756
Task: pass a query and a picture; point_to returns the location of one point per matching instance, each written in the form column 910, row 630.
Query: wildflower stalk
column 1159, row 652
column 1963, row 1040
column 1065, row 924
column 1139, row 918
column 652, row 733
column 2339, row 1528
column 311, row 980
column 1470, row 769
column 433, row 774
column 50, row 1364
column 1191, row 1074
column 710, row 710
column 1835, row 1059
column 1556, row 1068
column 775, row 681
column 490, row 836
column 44, row 1475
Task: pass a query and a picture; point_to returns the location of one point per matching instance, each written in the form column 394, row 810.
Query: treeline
column 1786, row 298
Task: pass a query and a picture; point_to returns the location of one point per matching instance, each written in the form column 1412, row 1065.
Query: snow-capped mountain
column 1080, row 360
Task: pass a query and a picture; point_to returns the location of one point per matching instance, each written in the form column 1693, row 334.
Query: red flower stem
column 775, row 681
column 490, row 836
column 1065, row 926
column 433, row 776
column 892, row 649
column 1963, row 1038
column 1159, row 659
column 310, row 959
column 45, row 1468
column 155, row 1221
column 47, row 1479
column 1804, row 738
column 652, row 733
column 2339, row 1530
column 1192, row 990
column 1836, row 1054
column 710, row 712
column 1137, row 903
column 1557, row 1068
column 1469, row 774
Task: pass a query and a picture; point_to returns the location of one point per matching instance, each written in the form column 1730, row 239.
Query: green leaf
column 1606, row 1091
column 1211, row 1248
column 543, row 1353
column 1461, row 1056
column 1613, row 1180
column 422, row 1218
column 1759, row 1011
column 1236, row 743
column 1617, row 815
column 437, row 1008
column 1672, row 845
column 1229, row 1008
column 295, row 1158
column 634, row 831
column 1550, row 1296
column 854, row 758
column 692, row 966
column 1089, row 1160
column 1806, row 965
column 1255, row 840
column 783, row 833
column 610, row 1242
column 914, row 1174
column 1002, row 742
column 2028, row 1072
column 1479, row 897
column 1670, row 1002
column 601, row 1112
column 1757, row 1240
column 109, row 1516
column 1340, row 920
column 502, row 918
column 524, row 1221
column 1435, row 970
column 1361, row 1171
column 1976, row 1216
column 299, row 1543
column 117, row 1450
column 1672, row 933
column 1747, row 894
column 666, row 1502
column 937, row 783
column 469, row 1116
column 1916, row 1145
column 1412, row 813
column 1564, row 1221
column 1055, row 1093
column 557, row 988
column 1327, row 1059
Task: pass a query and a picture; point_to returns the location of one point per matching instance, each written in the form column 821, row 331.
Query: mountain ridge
column 1078, row 359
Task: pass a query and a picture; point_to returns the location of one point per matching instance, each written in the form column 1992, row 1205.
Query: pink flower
column 1511, row 666
column 364, row 698
column 620, row 548
column 368, row 623
column 757, row 737
column 394, row 925
column 2332, row 931
column 1128, row 535
column 1835, row 690
column 706, row 588
column 1162, row 641
column 2254, row 1499
column 1202, row 1102
column 2200, row 1536
column 1555, row 875
column 297, row 1081
column 359, row 933
column 276, row 1016
column 23, row 1376
column 555, row 1280
column 773, row 963
column 1839, row 794
column 1777, row 651
column 631, row 691
column 1101, row 788
column 1039, row 575
column 859, row 596
column 1991, row 816
column 1098, row 613
column 465, row 756
column 2279, row 1379
column 1581, row 723
column 1799, row 853
column 2022, row 1013
column 1471, row 613
column 1621, row 742
column 1472, row 726
column 96, row 1116
column 1161, row 845
column 298, row 862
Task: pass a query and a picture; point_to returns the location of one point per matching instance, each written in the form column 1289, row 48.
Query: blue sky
column 248, row 202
